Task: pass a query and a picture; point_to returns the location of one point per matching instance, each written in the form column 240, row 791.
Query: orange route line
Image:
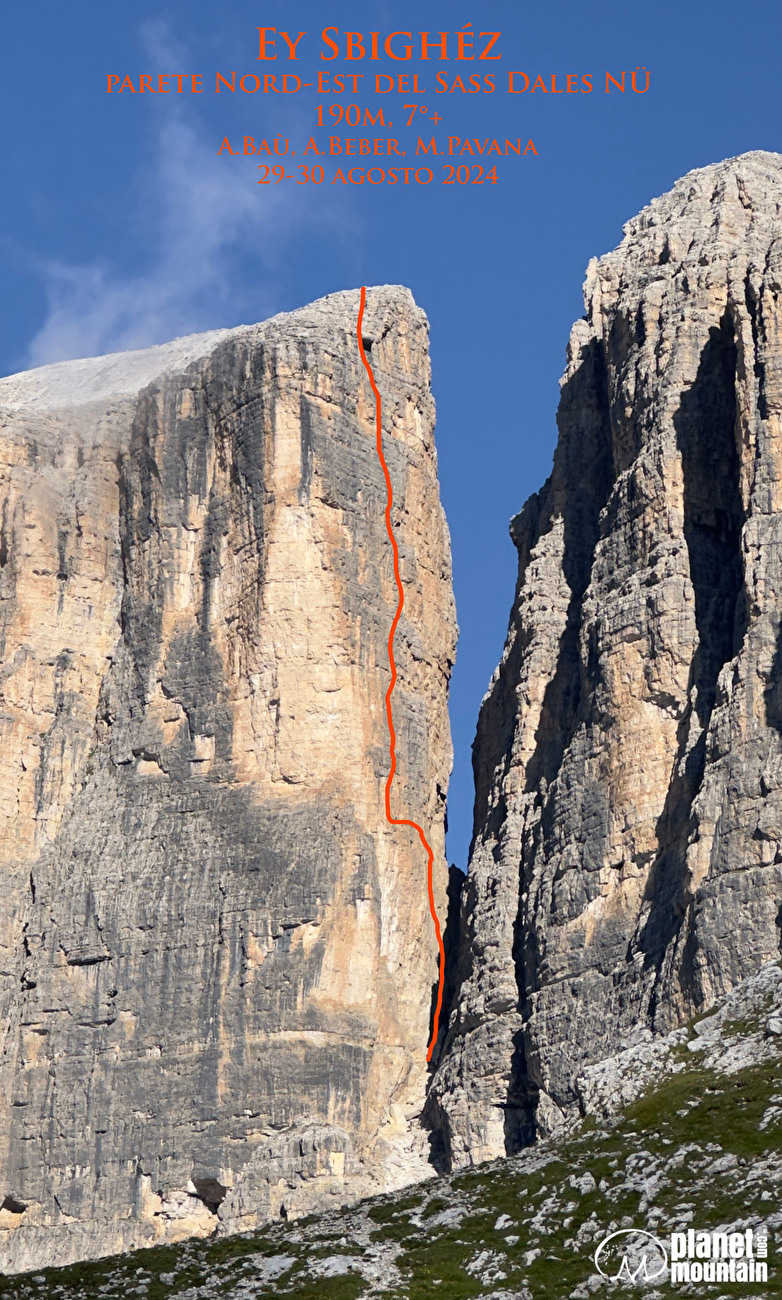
column 400, row 821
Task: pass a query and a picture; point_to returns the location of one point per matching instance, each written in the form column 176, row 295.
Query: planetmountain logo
column 631, row 1255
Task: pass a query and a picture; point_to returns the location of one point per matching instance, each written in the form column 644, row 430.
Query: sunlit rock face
column 216, row 956
column 627, row 864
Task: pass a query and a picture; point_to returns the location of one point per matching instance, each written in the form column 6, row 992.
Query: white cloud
column 162, row 49
column 203, row 210
column 201, row 213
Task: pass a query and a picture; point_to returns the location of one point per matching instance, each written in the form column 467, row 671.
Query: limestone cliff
column 216, row 957
column 627, row 859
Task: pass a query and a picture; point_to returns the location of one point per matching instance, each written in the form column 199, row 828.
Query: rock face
column 683, row 1157
column 627, row 860
column 216, row 957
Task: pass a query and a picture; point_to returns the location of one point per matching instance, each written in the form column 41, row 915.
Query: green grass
column 383, row 1211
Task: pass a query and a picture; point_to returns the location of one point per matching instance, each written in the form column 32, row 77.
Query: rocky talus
column 627, row 861
column 216, row 957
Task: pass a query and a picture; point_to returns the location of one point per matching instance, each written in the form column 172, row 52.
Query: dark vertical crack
column 759, row 369
column 4, row 536
column 451, row 945
column 305, row 420
column 584, row 467
column 713, row 511
column 705, row 426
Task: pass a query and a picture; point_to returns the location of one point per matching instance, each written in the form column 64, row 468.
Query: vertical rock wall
column 627, row 859
column 216, row 957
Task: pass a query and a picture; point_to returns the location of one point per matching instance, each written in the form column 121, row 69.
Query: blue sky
column 121, row 227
